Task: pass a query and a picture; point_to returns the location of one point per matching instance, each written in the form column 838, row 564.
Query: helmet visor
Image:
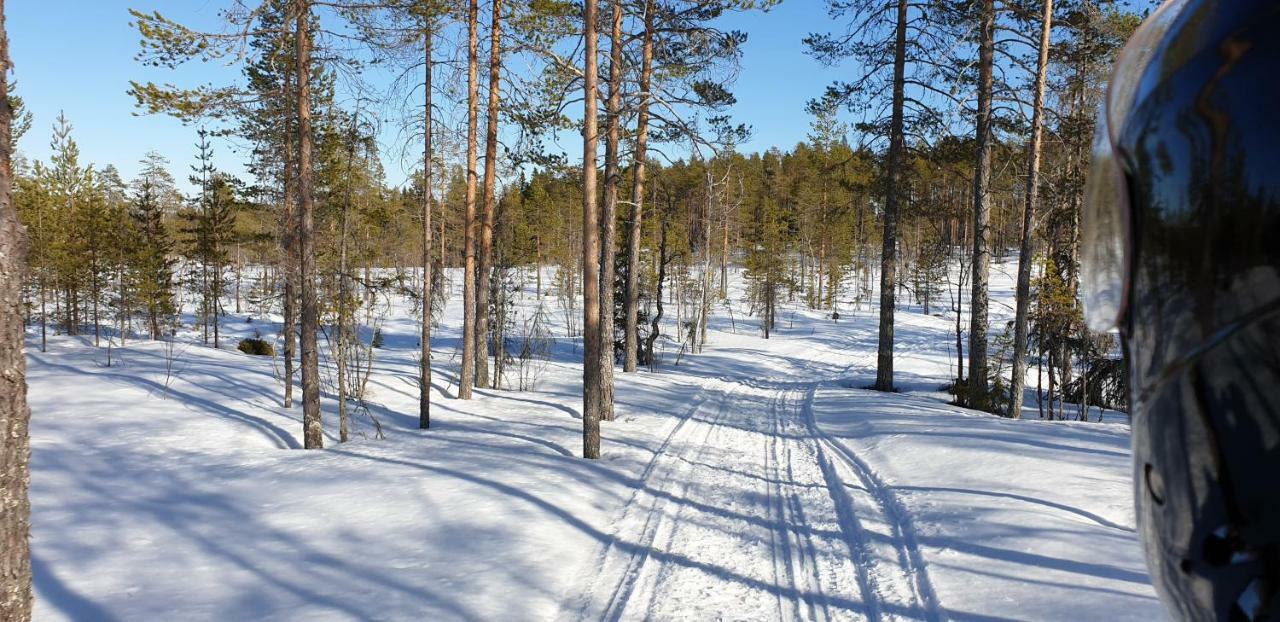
column 1105, row 220
column 1104, row 235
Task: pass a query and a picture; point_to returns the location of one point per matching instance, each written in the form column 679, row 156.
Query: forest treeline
column 961, row 138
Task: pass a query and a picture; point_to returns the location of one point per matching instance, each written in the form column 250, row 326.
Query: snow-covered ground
column 756, row 480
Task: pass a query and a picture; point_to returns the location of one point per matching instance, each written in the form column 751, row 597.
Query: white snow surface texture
column 756, row 480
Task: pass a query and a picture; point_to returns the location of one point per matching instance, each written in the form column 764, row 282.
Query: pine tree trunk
column 656, row 322
column 289, row 244
column 608, row 216
column 340, row 337
column 635, row 228
column 591, row 376
column 217, row 297
column 977, row 394
column 889, row 251
column 15, row 448
column 428, row 156
column 484, row 277
column 313, row 432
column 466, row 376
column 1023, row 294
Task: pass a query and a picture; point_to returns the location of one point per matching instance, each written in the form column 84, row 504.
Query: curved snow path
column 749, row 511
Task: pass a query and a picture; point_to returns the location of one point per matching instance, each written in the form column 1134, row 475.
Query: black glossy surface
column 1201, row 148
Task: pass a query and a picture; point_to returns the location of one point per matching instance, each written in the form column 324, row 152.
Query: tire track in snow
column 887, row 583
column 779, row 536
column 622, row 562
column 804, row 564
column 826, row 548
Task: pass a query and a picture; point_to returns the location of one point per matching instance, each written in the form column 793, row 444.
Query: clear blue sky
column 78, row 58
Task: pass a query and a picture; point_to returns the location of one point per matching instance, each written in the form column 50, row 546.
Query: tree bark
column 1019, row 367
column 591, row 377
column 635, row 229
column 313, row 437
column 15, row 448
column 489, row 199
column 424, row 377
column 977, row 394
column 289, row 248
column 609, row 215
column 340, row 336
column 889, row 245
column 466, row 376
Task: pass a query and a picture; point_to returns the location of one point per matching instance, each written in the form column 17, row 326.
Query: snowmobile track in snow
column 822, row 537
column 876, row 500
column 619, row 565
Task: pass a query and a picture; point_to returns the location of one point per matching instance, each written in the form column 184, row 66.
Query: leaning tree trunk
column 591, row 376
column 1019, row 371
column 889, row 249
column 977, row 393
column 632, row 295
column 608, row 216
column 313, row 437
column 466, row 376
column 15, row 448
column 489, row 216
column 424, row 374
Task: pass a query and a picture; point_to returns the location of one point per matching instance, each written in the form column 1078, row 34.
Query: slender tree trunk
column 1019, row 371
column 96, row 293
column 591, row 376
column 340, row 338
column 428, row 157
column 724, row 256
column 15, row 448
column 977, row 393
column 889, row 252
column 44, row 297
column 313, row 437
column 289, row 243
column 217, row 298
column 656, row 322
column 635, row 229
column 239, row 268
column 609, row 215
column 466, row 376
column 484, row 277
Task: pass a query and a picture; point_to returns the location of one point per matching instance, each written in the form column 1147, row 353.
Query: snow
column 756, row 480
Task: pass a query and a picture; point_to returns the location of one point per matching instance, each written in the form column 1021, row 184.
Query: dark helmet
column 1181, row 252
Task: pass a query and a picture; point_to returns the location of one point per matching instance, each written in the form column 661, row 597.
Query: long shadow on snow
column 568, row 518
column 1008, row 495
column 189, row 508
column 275, row 433
column 66, row 600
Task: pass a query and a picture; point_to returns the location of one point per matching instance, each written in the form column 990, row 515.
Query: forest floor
column 755, row 480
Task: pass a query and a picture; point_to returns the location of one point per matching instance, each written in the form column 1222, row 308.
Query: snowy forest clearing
column 755, row 480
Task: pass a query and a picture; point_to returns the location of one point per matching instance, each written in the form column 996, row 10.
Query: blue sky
column 78, row 58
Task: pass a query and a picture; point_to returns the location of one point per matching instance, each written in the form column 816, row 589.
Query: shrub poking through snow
column 256, row 346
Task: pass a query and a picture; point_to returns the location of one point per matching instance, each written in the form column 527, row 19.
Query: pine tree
column 15, row 453
column 1023, row 287
column 152, row 264
column 466, row 376
column 591, row 336
column 635, row 230
column 484, row 251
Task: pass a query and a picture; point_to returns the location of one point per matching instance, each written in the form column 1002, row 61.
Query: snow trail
column 745, row 508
